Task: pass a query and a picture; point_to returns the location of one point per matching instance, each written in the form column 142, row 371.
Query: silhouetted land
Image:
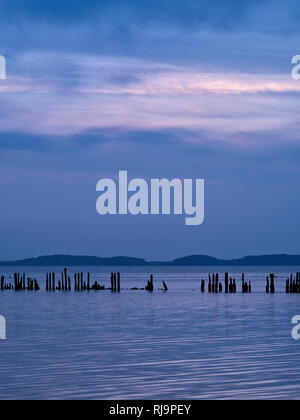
column 194, row 260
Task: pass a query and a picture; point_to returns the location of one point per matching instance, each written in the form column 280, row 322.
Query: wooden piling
column 272, row 288
column 88, row 281
column 112, row 281
column 268, row 285
column 65, row 277
column 150, row 285
column 234, row 286
column 76, row 282
column 202, row 286
column 119, row 282
column 115, row 282
column 226, row 282
column 209, row 285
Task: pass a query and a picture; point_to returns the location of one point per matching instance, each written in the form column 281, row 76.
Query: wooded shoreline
column 62, row 261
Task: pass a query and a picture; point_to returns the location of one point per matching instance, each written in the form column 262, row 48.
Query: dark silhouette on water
column 150, row 285
column 202, row 286
column 20, row 283
column 83, row 283
column 293, row 284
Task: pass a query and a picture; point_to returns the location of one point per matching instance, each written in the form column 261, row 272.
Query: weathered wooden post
column 268, row 285
column 115, row 282
column 230, row 285
column 75, row 282
column 202, row 286
column 119, row 282
column 88, row 281
column 234, row 286
column 272, row 289
column 226, row 282
column 112, row 281
column 65, row 276
column 150, row 285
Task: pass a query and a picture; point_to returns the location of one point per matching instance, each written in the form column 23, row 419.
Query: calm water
column 138, row 345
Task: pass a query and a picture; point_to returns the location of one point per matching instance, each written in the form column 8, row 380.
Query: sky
column 169, row 89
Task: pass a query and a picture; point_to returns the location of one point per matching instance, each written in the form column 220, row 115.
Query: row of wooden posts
column 64, row 283
column 270, row 287
column 293, row 284
column 20, row 283
column 216, row 286
column 82, row 283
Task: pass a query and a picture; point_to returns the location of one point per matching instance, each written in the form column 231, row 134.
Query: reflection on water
column 137, row 345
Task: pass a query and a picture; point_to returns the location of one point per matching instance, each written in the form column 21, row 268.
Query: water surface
column 138, row 345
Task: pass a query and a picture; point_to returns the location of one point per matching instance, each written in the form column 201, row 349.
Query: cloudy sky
column 187, row 89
